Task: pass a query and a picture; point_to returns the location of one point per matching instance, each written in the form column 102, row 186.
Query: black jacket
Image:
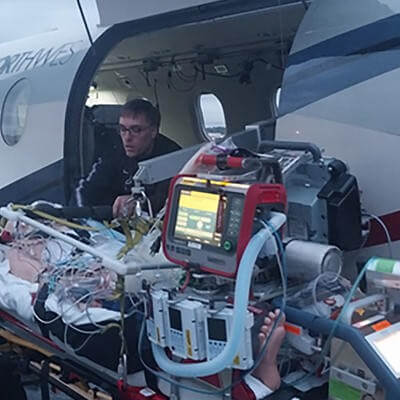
column 112, row 177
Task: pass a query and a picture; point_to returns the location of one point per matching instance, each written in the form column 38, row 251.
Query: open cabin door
column 340, row 91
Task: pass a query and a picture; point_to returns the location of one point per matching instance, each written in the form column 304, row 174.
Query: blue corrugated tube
column 225, row 358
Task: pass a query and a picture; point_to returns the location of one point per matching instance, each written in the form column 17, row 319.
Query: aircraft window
column 212, row 117
column 15, row 111
column 276, row 97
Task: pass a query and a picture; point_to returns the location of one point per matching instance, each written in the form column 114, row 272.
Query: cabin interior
column 209, row 79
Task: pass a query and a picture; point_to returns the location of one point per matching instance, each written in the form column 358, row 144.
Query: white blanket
column 17, row 295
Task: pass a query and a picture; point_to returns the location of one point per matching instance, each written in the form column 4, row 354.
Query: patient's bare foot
column 267, row 371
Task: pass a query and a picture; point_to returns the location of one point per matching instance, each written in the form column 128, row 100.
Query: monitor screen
column 216, row 329
column 198, row 217
column 388, row 347
column 175, row 319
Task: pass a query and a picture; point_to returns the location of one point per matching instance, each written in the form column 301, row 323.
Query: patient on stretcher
column 76, row 306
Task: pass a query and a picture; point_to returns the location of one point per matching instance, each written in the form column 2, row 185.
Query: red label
column 380, row 326
column 296, row 330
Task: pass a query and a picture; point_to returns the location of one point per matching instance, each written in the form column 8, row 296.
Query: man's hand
column 123, row 206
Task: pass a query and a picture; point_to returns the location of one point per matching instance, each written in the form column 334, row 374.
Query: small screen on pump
column 175, row 319
column 216, row 329
column 198, row 217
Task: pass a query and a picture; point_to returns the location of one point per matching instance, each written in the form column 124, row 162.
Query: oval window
column 212, row 114
column 15, row 112
column 276, row 99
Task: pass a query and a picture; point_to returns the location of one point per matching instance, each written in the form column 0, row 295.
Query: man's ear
column 154, row 132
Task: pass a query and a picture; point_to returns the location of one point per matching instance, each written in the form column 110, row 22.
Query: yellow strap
column 131, row 242
column 50, row 217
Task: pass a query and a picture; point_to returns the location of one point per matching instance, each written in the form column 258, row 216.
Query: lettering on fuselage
column 28, row 60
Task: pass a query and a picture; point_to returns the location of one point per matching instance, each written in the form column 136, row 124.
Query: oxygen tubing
column 242, row 289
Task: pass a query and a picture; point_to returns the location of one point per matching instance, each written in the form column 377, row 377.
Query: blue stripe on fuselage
column 380, row 35
column 44, row 184
column 339, row 63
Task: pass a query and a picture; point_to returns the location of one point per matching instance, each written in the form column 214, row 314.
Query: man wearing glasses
column 110, row 179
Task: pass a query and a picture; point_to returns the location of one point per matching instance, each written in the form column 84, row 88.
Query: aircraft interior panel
column 173, row 67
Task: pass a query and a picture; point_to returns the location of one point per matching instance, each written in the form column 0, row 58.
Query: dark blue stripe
column 381, row 35
column 44, row 184
column 319, row 79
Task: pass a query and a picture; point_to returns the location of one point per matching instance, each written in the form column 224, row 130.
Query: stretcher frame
column 52, row 354
column 56, row 365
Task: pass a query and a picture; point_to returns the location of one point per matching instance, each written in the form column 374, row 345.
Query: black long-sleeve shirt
column 112, row 177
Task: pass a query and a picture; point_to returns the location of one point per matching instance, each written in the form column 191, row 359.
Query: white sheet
column 17, row 295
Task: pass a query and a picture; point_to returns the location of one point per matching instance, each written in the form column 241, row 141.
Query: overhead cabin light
column 126, row 82
column 150, row 65
column 176, row 67
column 221, row 69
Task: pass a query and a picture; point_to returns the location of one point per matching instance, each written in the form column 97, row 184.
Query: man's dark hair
column 141, row 106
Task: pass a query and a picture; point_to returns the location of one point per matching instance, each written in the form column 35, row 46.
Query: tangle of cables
column 73, row 285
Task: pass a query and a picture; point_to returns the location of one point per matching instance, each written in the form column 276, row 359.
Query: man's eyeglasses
column 134, row 130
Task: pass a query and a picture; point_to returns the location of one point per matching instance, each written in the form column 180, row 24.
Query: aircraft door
column 340, row 91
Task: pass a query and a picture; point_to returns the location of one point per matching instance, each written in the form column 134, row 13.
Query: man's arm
column 158, row 194
column 96, row 188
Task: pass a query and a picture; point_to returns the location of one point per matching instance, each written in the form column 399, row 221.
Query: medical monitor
column 199, row 217
column 209, row 223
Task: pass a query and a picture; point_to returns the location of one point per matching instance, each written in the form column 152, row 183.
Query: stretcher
column 47, row 355
column 26, row 315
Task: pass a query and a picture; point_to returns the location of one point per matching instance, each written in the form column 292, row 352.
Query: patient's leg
column 267, row 371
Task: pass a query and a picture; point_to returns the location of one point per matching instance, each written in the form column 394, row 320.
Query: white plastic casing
column 244, row 358
column 156, row 327
column 188, row 342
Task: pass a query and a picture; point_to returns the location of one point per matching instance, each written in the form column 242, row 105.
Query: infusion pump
column 191, row 330
column 209, row 223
